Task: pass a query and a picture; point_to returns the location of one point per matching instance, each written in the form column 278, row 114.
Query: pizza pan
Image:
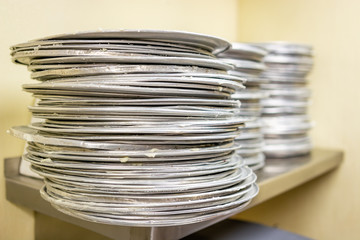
column 178, row 37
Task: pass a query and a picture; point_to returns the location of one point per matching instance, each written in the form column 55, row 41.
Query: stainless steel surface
column 185, row 68
column 275, row 178
column 210, row 43
column 288, row 65
column 113, row 69
column 119, row 58
column 248, row 62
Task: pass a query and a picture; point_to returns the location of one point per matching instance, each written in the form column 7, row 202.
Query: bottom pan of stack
column 150, row 187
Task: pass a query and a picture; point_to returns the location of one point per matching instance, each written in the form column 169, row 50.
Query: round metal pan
column 180, row 220
column 110, row 69
column 213, row 44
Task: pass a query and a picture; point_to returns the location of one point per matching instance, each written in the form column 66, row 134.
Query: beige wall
column 327, row 208
column 28, row 19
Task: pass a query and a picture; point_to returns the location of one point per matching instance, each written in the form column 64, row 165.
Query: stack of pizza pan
column 136, row 127
column 284, row 115
column 248, row 62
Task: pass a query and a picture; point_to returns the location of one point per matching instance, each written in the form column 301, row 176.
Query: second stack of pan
column 284, row 113
column 248, row 62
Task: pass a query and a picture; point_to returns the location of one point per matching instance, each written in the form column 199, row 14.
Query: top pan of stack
column 166, row 41
column 210, row 43
column 71, row 55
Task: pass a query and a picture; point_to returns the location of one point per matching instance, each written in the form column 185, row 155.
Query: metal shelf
column 279, row 176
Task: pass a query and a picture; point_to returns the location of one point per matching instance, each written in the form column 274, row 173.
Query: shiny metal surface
column 210, row 43
column 284, row 111
column 80, row 123
column 248, row 62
